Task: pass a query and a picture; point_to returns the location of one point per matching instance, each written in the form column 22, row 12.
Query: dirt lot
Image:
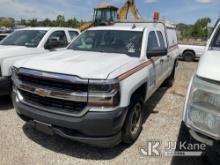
column 21, row 144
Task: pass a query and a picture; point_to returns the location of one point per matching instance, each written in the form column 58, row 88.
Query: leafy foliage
column 6, row 22
column 60, row 21
column 199, row 30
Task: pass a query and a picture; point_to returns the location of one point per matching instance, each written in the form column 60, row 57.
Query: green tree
column 200, row 29
column 32, row 23
column 60, row 21
column 74, row 23
column 46, row 22
column 6, row 23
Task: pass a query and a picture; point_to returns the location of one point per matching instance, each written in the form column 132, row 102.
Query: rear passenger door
column 173, row 50
column 156, row 70
column 164, row 61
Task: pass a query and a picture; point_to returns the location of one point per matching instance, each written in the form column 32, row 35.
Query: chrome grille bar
column 62, row 95
column 56, row 111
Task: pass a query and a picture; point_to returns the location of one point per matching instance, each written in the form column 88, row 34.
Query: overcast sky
column 186, row 11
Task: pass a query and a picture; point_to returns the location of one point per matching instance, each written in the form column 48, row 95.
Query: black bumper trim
column 95, row 128
column 103, row 142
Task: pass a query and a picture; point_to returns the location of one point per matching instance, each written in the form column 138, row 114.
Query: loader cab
column 105, row 15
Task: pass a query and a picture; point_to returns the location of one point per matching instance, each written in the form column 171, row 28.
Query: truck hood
column 209, row 65
column 85, row 64
column 11, row 51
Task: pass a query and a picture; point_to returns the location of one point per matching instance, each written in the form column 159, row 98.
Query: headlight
column 14, row 71
column 202, row 111
column 105, row 93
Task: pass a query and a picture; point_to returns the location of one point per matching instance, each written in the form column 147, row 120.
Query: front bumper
column 213, row 146
column 5, row 86
column 101, row 129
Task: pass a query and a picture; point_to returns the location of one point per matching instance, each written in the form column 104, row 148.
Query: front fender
column 131, row 84
column 7, row 63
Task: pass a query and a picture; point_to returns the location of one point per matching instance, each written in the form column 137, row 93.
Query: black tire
column 134, row 120
column 170, row 80
column 188, row 56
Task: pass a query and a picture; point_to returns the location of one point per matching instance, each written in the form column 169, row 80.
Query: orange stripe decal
column 136, row 69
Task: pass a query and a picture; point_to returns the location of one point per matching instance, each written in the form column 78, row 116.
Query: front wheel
column 133, row 124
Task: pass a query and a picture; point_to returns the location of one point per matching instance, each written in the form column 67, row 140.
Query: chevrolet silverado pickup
column 28, row 42
column 191, row 52
column 93, row 92
column 202, row 109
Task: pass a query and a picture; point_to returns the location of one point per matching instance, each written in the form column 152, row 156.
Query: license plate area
column 43, row 127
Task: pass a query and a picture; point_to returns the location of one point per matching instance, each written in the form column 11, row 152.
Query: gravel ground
column 21, row 144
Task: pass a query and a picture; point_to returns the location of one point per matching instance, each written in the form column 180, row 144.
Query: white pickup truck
column 202, row 109
column 94, row 91
column 191, row 52
column 28, row 42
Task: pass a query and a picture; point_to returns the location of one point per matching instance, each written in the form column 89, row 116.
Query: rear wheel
column 188, row 56
column 133, row 124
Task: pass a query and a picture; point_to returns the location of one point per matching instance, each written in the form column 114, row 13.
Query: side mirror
column 157, row 52
column 52, row 43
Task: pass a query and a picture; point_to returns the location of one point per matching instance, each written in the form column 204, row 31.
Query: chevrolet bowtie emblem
column 42, row 92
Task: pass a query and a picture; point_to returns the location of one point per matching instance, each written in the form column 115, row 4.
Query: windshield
column 28, row 38
column 215, row 44
column 109, row 41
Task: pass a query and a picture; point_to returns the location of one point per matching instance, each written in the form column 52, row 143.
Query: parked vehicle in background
column 191, row 52
column 202, row 108
column 6, row 30
column 28, row 42
column 94, row 91
column 3, row 35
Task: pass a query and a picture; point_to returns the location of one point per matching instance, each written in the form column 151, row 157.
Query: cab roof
column 121, row 28
column 100, row 7
column 48, row 28
column 135, row 26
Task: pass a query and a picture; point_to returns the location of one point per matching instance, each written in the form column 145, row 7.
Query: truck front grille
column 55, row 84
column 53, row 104
column 52, row 92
